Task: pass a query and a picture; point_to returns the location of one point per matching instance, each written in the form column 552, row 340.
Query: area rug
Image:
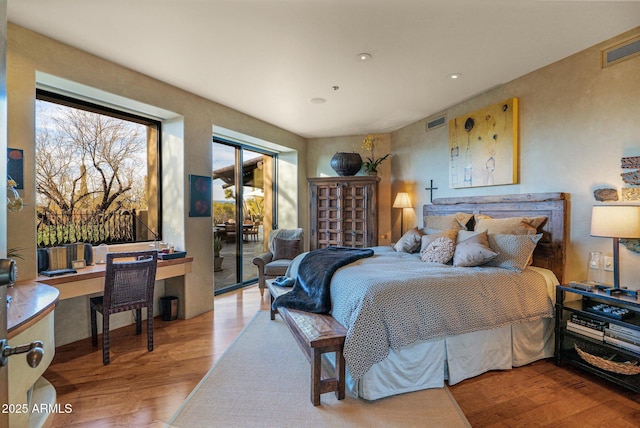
column 262, row 380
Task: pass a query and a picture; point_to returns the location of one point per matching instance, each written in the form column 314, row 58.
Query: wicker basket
column 627, row 368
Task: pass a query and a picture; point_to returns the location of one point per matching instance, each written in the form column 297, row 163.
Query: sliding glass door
column 243, row 211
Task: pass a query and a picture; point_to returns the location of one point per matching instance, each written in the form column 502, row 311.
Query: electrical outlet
column 608, row 263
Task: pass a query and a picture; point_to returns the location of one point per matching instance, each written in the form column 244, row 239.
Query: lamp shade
column 615, row 221
column 402, row 200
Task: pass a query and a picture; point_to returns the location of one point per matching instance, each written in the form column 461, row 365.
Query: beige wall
column 188, row 151
column 576, row 121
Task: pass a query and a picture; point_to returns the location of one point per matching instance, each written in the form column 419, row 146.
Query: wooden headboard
column 550, row 251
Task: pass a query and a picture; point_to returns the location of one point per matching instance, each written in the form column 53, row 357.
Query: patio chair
column 251, row 233
column 230, row 231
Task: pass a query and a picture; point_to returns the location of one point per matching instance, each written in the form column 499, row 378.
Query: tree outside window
column 91, row 175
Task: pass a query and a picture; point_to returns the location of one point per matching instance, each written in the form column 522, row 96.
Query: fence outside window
column 90, row 227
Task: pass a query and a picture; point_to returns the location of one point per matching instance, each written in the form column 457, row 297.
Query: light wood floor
column 141, row 388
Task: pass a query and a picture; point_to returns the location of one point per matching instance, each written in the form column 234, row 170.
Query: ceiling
column 269, row 58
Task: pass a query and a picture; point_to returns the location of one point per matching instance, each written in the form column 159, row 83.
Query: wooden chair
column 128, row 285
column 230, row 230
column 251, row 233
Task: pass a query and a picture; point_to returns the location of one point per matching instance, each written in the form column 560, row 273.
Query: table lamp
column 402, row 201
column 616, row 221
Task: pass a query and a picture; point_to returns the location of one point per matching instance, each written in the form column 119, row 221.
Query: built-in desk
column 90, row 280
column 30, row 316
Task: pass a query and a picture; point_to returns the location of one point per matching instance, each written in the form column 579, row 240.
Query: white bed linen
column 428, row 363
column 393, row 299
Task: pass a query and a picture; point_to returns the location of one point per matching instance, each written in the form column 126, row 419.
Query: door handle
column 34, row 351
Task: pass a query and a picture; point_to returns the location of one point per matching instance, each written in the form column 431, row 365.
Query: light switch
column 608, row 263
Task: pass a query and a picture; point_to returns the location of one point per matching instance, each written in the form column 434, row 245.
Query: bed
column 409, row 356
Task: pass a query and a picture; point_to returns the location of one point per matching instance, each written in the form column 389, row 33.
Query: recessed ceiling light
column 317, row 100
column 455, row 76
column 364, row 56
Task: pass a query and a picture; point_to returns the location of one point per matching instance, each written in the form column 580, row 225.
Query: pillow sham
column 515, row 251
column 457, row 221
column 509, row 225
column 466, row 234
column 428, row 239
column 439, row 251
column 473, row 251
column 410, row 242
column 285, row 249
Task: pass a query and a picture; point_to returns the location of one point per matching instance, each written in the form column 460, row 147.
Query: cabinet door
column 329, row 215
column 355, row 212
column 342, row 212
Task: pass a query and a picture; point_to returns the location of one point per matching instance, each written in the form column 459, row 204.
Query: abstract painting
column 200, row 192
column 15, row 167
column 483, row 146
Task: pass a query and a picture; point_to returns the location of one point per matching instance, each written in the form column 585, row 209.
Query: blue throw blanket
column 311, row 290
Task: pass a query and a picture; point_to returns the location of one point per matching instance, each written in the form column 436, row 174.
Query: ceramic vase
column 345, row 164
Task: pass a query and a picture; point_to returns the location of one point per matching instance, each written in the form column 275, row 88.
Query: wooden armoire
column 343, row 211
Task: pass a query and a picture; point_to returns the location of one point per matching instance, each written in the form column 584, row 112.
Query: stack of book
column 623, row 337
column 587, row 326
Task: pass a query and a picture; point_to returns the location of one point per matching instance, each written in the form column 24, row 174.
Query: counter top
column 30, row 302
column 97, row 271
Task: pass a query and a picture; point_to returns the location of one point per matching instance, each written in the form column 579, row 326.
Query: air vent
column 437, row 121
column 620, row 52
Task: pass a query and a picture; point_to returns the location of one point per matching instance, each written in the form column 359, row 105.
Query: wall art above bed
column 483, row 146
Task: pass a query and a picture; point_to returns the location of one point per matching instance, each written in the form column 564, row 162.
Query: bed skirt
column 428, row 363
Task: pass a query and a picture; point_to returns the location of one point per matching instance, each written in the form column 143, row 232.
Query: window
column 97, row 173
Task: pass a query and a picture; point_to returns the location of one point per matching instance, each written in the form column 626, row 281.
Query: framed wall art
column 200, row 194
column 15, row 166
column 483, row 146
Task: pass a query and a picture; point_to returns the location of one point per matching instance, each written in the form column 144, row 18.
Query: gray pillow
column 515, row 250
column 410, row 242
column 473, row 251
column 286, row 249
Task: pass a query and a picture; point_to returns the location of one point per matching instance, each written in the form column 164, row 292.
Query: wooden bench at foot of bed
column 316, row 334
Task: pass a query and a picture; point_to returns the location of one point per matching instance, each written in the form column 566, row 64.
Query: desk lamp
column 616, row 221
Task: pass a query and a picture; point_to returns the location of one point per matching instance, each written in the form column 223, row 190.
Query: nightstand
column 603, row 343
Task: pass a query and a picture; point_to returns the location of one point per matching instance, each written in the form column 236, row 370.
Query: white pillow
column 439, row 251
column 429, row 238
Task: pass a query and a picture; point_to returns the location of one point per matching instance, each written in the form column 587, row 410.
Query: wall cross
column 431, row 189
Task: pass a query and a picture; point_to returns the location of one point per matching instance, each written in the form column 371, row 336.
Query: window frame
column 122, row 114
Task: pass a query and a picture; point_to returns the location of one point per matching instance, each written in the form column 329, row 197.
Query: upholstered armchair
column 284, row 245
